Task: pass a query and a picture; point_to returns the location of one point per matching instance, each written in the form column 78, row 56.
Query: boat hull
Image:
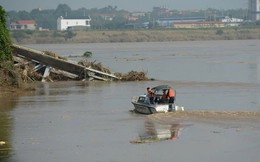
column 144, row 109
column 151, row 108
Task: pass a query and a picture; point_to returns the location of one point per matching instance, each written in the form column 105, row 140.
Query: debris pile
column 52, row 54
column 132, row 76
column 35, row 71
column 97, row 66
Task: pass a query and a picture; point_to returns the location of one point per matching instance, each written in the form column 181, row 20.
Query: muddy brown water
column 217, row 82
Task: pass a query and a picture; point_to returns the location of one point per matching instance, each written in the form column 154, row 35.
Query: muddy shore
column 106, row 36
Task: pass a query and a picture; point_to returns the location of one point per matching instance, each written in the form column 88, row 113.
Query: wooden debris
column 132, row 76
column 96, row 66
column 33, row 65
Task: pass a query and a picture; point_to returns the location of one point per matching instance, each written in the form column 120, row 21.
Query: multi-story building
column 254, row 10
column 64, row 24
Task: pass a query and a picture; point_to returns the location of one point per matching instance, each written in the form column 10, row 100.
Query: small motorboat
column 143, row 104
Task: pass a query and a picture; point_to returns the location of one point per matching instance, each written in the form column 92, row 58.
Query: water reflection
column 156, row 132
column 258, row 69
column 6, row 124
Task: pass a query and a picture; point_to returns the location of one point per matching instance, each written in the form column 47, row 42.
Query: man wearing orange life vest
column 171, row 95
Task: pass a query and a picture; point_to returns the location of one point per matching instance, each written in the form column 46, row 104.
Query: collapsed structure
column 48, row 66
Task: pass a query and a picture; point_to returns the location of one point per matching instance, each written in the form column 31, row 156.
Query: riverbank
column 105, row 36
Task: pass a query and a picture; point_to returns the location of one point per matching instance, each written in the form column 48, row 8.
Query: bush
column 5, row 40
column 57, row 34
column 87, row 54
column 19, row 35
column 220, row 32
column 29, row 32
column 69, row 34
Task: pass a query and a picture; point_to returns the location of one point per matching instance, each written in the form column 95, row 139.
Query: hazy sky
column 130, row 5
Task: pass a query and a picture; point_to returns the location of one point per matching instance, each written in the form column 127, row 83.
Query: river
column 91, row 121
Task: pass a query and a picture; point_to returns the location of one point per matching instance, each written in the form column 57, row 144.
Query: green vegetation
column 220, row 32
column 69, row 34
column 5, row 41
column 155, row 35
column 87, row 54
column 8, row 75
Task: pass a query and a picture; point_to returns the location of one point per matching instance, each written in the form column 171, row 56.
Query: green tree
column 69, row 34
column 24, row 15
column 7, row 71
column 63, row 10
column 5, row 40
column 45, row 18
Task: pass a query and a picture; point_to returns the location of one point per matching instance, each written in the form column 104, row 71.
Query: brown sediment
column 207, row 116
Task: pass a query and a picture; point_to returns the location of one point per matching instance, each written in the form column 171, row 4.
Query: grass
column 105, row 36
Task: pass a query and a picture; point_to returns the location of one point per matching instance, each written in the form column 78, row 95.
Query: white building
column 64, row 24
column 232, row 21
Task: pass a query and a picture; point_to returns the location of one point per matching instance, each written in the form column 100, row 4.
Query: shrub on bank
column 5, row 41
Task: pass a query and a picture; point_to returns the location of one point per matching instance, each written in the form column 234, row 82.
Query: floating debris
column 132, row 76
column 87, row 54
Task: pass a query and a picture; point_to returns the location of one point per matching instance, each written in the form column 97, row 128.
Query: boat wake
column 166, row 126
column 206, row 117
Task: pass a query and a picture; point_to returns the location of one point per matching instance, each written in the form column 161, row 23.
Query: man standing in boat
column 171, row 95
column 150, row 95
column 164, row 97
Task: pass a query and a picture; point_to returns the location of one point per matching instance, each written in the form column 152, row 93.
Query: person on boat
column 171, row 95
column 150, row 95
column 164, row 96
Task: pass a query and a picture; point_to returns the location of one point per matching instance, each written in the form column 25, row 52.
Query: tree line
column 48, row 18
column 99, row 17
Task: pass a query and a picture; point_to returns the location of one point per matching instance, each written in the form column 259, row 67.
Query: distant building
column 64, row 24
column 205, row 24
column 232, row 21
column 23, row 25
column 169, row 22
column 133, row 18
column 138, row 14
column 162, row 11
column 105, row 16
column 254, row 10
column 137, row 25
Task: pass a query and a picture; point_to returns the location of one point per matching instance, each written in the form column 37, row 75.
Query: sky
column 129, row 5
